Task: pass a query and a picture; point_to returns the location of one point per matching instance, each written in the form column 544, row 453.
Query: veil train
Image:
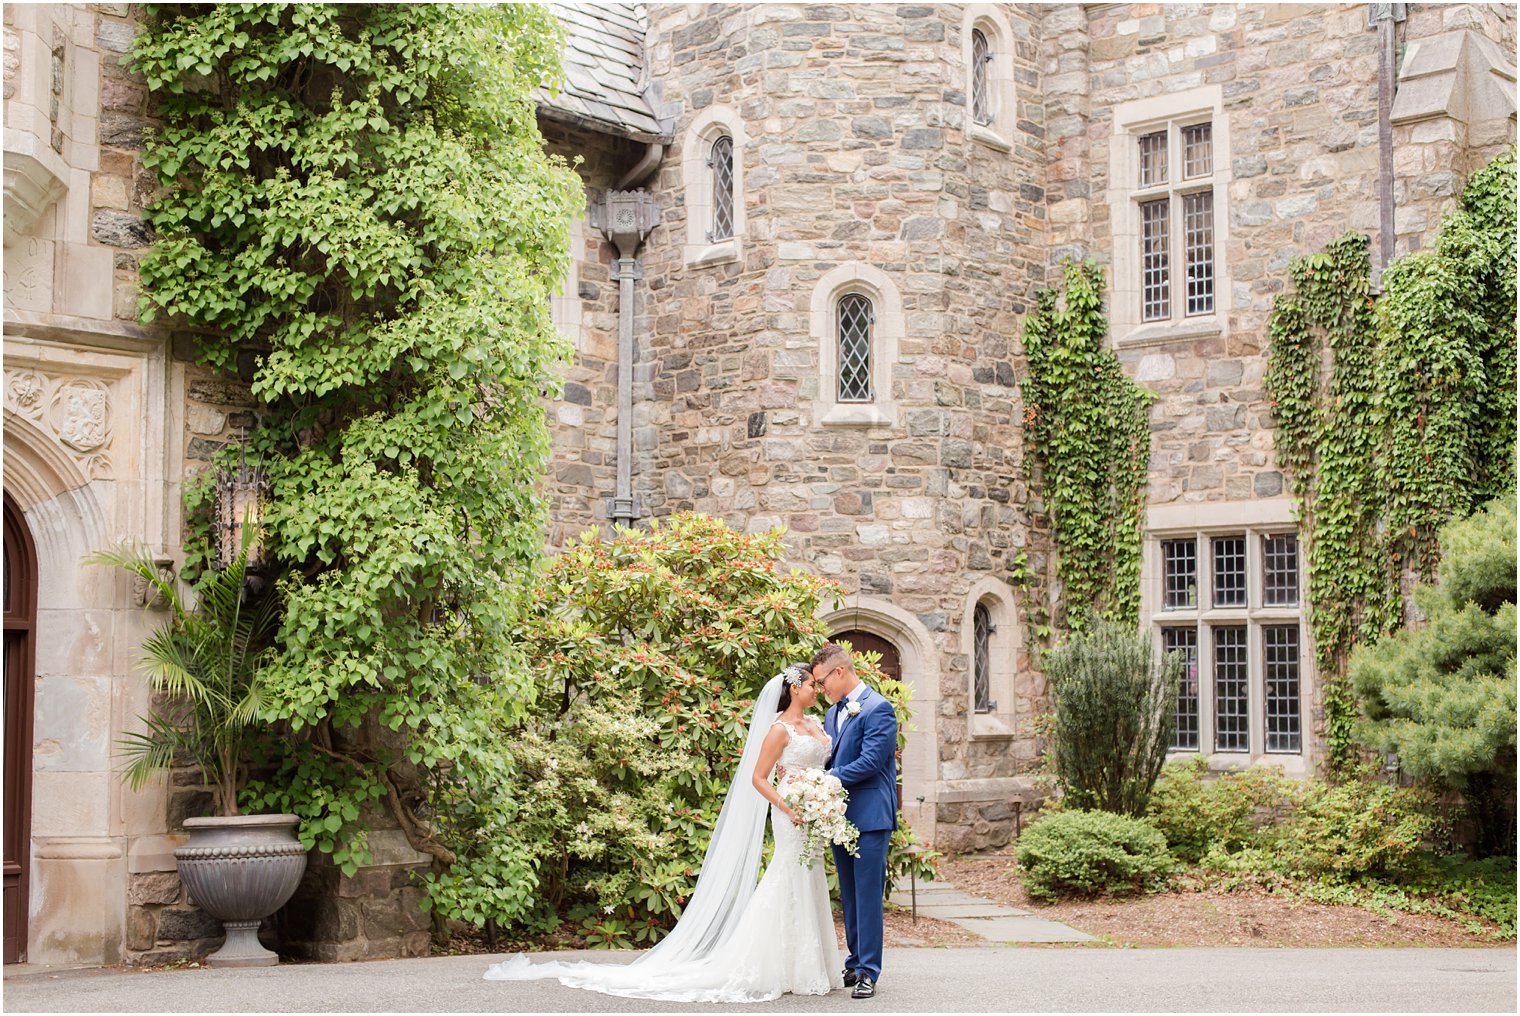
column 691, row 963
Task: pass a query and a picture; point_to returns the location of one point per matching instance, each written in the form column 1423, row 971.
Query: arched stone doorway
column 908, row 655
column 891, row 665
column 20, row 595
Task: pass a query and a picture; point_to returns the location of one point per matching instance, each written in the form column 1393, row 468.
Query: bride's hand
column 796, row 818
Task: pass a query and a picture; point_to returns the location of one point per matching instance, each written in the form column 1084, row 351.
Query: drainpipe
column 642, row 169
column 625, row 219
column 1385, row 17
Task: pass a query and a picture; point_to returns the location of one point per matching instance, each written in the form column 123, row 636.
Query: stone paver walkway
column 992, row 921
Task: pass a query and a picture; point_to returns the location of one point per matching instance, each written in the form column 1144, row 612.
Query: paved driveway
column 982, row 979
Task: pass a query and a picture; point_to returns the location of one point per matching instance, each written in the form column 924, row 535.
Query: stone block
column 119, row 229
column 158, row 887
column 175, row 924
column 142, row 929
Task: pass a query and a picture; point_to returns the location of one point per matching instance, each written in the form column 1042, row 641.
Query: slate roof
column 604, row 70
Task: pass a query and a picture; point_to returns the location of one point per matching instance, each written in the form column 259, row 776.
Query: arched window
column 712, row 178
column 981, row 94
column 720, row 163
column 856, row 318
column 856, row 315
column 981, row 641
column 987, row 49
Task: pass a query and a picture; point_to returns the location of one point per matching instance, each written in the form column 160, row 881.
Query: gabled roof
column 604, row 71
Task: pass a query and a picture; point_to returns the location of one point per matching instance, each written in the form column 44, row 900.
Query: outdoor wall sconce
column 237, row 517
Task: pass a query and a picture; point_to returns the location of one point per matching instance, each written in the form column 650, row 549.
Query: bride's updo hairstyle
column 792, row 677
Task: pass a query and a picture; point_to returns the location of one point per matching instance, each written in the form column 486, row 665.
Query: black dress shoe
column 850, row 977
column 864, row 988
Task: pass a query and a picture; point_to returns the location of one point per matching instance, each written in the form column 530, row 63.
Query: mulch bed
column 1210, row 917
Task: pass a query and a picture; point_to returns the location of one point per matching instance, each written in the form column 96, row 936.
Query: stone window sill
column 720, row 253
column 1165, row 332
column 992, row 727
column 989, row 137
column 860, row 414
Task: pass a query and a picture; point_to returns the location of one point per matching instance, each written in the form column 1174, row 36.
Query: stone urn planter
column 240, row 869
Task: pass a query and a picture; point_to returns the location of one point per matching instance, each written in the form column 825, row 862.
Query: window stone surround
column 1130, row 120
column 696, row 182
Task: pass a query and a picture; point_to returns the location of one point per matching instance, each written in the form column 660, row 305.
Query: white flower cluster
column 819, row 800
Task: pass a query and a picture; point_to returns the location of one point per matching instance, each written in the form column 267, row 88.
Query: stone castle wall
column 857, row 153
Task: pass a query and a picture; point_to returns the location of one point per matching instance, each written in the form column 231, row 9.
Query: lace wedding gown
column 783, row 942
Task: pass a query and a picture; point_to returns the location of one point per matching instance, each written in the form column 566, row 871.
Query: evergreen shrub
column 1113, row 716
column 1085, row 853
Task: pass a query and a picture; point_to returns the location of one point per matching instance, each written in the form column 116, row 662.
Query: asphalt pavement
column 980, row 979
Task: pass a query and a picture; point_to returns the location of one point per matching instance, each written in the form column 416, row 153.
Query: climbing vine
column 356, row 202
column 1412, row 423
column 1086, row 428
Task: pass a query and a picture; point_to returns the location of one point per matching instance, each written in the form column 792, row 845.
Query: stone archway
column 918, row 667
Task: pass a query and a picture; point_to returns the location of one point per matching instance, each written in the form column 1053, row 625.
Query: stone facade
column 856, row 145
column 866, row 166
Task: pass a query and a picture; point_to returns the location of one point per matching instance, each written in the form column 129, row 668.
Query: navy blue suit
column 865, row 761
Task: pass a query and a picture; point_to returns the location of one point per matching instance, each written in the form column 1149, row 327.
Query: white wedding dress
column 736, row 942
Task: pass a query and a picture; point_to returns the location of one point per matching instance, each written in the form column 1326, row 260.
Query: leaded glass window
column 981, row 93
column 981, row 638
column 855, row 318
column 1231, row 689
column 1179, row 561
column 1198, row 250
column 1280, row 571
column 721, row 161
column 1280, row 648
column 1197, row 150
column 1153, row 159
column 1155, row 260
column 1253, row 648
column 1229, row 571
column 1184, row 641
column 1176, row 213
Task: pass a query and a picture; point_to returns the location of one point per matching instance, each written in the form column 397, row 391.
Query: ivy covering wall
column 1087, row 433
column 355, row 198
column 1395, row 415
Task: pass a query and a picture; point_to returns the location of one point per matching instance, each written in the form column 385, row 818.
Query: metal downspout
column 625, row 218
column 1386, row 18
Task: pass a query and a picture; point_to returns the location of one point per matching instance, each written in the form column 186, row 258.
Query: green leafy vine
column 355, row 198
column 1087, row 431
column 1411, row 425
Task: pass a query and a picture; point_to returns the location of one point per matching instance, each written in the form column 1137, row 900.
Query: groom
column 863, row 725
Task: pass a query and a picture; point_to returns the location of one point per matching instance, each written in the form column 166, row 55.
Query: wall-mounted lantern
column 237, row 517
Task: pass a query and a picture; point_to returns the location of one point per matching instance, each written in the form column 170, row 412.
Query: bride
column 737, row 941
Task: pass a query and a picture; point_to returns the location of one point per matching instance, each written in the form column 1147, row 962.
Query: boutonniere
column 853, row 708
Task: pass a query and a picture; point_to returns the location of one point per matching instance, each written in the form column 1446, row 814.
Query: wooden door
column 890, row 665
column 20, row 595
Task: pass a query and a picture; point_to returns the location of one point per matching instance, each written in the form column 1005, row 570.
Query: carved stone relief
column 76, row 410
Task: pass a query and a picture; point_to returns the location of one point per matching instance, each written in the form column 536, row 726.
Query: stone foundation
column 981, row 814
column 374, row 914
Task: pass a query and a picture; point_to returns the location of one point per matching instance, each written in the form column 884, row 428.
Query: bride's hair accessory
column 796, row 674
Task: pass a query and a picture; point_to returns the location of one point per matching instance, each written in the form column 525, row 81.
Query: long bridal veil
column 690, row 962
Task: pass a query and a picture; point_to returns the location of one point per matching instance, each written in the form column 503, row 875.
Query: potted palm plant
column 203, row 665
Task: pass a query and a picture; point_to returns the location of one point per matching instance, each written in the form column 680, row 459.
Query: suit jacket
column 865, row 761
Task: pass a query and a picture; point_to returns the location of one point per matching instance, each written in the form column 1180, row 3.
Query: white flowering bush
column 819, row 800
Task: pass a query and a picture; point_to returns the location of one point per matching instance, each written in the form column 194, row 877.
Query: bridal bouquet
column 819, row 800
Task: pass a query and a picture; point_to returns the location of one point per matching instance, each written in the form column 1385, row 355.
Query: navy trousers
column 862, row 884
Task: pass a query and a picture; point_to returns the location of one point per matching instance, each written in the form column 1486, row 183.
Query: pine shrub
column 1113, row 716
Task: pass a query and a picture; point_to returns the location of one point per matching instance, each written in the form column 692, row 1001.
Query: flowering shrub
column 647, row 649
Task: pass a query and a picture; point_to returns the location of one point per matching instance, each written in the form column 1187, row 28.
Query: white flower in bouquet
column 819, row 800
